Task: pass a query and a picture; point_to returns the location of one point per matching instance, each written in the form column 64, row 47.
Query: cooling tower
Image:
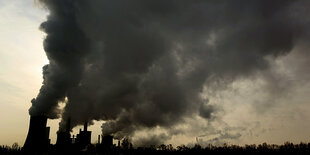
column 38, row 135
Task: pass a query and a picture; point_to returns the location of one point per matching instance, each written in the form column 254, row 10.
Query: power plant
column 38, row 137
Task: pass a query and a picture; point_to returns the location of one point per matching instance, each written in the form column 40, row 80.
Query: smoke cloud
column 143, row 64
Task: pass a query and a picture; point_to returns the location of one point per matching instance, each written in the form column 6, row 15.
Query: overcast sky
column 271, row 105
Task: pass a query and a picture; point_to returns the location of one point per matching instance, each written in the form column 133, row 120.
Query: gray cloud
column 142, row 64
column 153, row 139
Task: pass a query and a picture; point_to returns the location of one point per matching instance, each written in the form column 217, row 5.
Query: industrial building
column 38, row 137
column 107, row 141
column 83, row 138
column 64, row 139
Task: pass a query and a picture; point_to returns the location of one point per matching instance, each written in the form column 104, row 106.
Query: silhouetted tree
column 126, row 144
column 15, row 146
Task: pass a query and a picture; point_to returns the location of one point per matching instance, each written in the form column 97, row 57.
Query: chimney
column 98, row 139
column 68, row 125
column 85, row 126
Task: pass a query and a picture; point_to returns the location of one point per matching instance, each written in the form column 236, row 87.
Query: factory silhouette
column 38, row 138
column 38, row 142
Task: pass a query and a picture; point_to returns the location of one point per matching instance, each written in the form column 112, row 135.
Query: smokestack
column 38, row 135
column 98, row 139
column 68, row 125
column 85, row 126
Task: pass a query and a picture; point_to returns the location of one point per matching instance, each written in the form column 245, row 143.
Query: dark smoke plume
column 142, row 64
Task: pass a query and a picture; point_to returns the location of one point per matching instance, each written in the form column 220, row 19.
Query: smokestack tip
column 85, row 126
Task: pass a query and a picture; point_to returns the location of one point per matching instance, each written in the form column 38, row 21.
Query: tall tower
column 38, row 135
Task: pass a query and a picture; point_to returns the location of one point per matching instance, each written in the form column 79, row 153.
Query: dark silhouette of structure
column 38, row 138
column 65, row 142
column 84, row 137
column 38, row 135
column 64, row 137
column 38, row 142
column 99, row 139
column 107, row 141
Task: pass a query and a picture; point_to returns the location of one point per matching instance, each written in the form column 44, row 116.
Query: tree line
column 127, row 148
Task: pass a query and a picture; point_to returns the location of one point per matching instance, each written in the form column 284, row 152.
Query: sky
column 266, row 104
